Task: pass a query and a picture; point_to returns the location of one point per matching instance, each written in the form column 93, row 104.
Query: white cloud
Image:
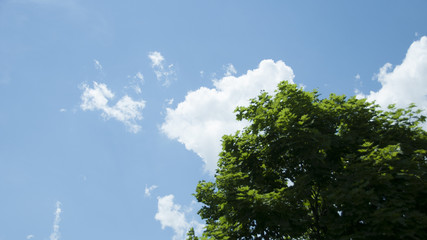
column 30, row 236
column 139, row 76
column 136, row 82
column 148, row 190
column 170, row 215
column 230, row 70
column 137, row 88
column 156, row 59
column 405, row 83
column 98, row 65
column 207, row 114
column 164, row 74
column 62, row 110
column 125, row 110
column 357, row 76
column 169, row 101
column 55, row 234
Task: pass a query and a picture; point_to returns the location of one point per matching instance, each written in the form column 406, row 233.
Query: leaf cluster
column 311, row 168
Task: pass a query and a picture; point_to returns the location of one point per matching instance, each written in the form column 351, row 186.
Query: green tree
column 311, row 168
column 191, row 235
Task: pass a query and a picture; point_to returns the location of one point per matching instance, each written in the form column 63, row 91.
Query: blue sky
column 111, row 112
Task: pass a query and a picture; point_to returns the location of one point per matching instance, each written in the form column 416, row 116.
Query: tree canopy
column 312, row 168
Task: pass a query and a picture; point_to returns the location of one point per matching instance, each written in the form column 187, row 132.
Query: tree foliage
column 312, row 168
column 191, row 235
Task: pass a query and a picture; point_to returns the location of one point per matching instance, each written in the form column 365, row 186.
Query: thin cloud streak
column 55, row 234
column 98, row 65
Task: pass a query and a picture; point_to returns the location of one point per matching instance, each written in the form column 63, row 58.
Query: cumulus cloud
column 207, row 114
column 170, row 215
column 405, row 83
column 148, row 190
column 165, row 74
column 30, row 236
column 126, row 110
column 55, row 235
column 156, row 59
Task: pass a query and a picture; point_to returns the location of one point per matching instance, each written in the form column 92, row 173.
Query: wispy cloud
column 357, row 76
column 30, row 236
column 170, row 215
column 126, row 110
column 136, row 83
column 169, row 101
column 55, row 234
column 164, row 74
column 98, row 65
column 229, row 70
column 139, row 76
column 206, row 114
column 148, row 190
